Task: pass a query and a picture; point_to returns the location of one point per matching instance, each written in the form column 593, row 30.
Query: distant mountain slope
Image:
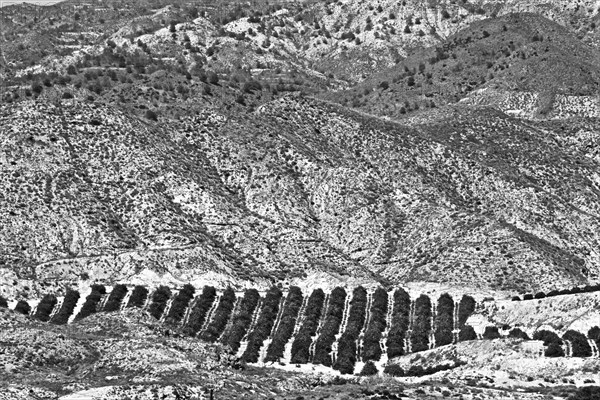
column 515, row 52
column 298, row 188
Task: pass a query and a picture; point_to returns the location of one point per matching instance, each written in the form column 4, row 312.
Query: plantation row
column 336, row 329
column 552, row 293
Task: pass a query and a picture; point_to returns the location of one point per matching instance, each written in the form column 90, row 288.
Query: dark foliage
column 516, row 298
column 466, row 307
column 303, row 339
column 284, row 332
column 264, row 324
column 221, row 316
column 67, row 307
column 393, row 370
column 23, row 307
column 371, row 348
column 594, row 333
column 491, row 332
column 3, row 302
column 540, row 295
column 580, row 345
column 199, row 310
column 45, row 307
column 160, row 297
column 346, row 356
column 331, row 327
column 242, row 319
column 422, row 324
column 519, row 334
column 548, row 337
column 528, row 296
column 586, row 393
column 554, row 350
column 180, row 304
column 467, row 333
column 115, row 298
column 444, row 320
column 369, row 369
column 138, row 297
column 400, row 320
column 91, row 302
column 417, row 370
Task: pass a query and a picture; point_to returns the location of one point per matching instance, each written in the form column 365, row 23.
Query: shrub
column 371, row 348
column 516, row 298
column 67, row 307
column 540, row 295
column 221, row 316
column 369, row 369
column 199, row 310
column 552, row 293
column 284, row 332
column 586, row 393
column 45, row 307
column 180, row 304
column 252, row 86
column 554, row 350
column 519, row 334
column 91, row 302
column 331, row 327
column 467, row 333
column 242, row 319
column 393, row 370
column 151, row 115
column 212, row 77
column 138, row 297
column 444, row 321
column 594, row 333
column 528, row 296
column 547, row 337
column 160, row 297
column 580, row 345
column 3, row 302
column 421, row 324
column 303, row 339
column 67, row 95
column 445, row 14
column 115, row 298
column 264, row 324
column 491, row 332
column 346, row 356
column 400, row 321
column 23, row 307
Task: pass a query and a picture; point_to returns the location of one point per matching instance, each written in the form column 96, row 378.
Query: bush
column 540, row 295
column 303, row 340
column 212, row 77
column 586, row 393
column 519, row 334
column 91, row 302
column 346, row 356
column 400, row 321
column 547, row 337
column 264, row 324
column 138, row 297
column 160, row 297
column 151, row 115
column 393, row 370
column 580, row 345
column 23, row 307
column 554, row 350
column 284, row 332
column 467, row 333
column 67, row 95
column 331, row 327
column 115, row 298
column 67, row 307
column 369, row 369
column 528, row 296
column 371, row 349
column 252, row 86
column 516, row 298
column 421, row 324
column 242, row 319
column 444, row 320
column 45, row 307
column 491, row 332
column 199, row 310
column 594, row 333
column 3, row 302
column 180, row 304
column 221, row 316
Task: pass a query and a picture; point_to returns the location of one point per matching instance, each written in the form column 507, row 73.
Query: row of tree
column 562, row 292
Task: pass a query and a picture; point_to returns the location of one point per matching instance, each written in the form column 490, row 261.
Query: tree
column 371, row 347
column 547, row 337
column 213, row 79
column 67, row 307
column 138, row 297
column 586, row 393
column 369, row 369
column 421, row 324
column 331, row 326
column 221, row 316
column 23, row 307
column 151, row 115
column 491, row 332
column 3, row 302
column 400, row 321
column 71, row 70
column 444, row 320
column 160, row 297
column 303, row 339
column 199, row 310
column 407, row 29
column 284, row 332
column 346, row 357
column 518, row 334
column 580, row 345
column 264, row 324
column 393, row 370
column 115, row 298
column 467, row 333
column 45, row 307
column 91, row 302
column 554, row 350
column 180, row 304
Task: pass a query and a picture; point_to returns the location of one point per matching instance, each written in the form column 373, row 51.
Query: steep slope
column 465, row 196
